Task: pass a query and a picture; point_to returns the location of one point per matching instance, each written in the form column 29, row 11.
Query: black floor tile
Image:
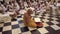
column 1, row 29
column 58, row 32
column 55, row 32
column 50, row 23
column 19, row 16
column 24, row 29
column 7, row 24
column 21, row 21
column 58, row 20
column 50, row 19
column 43, row 15
column 51, row 30
column 35, row 32
column 50, row 16
column 15, row 26
column 58, row 25
column 1, row 22
column 7, row 32
column 13, row 19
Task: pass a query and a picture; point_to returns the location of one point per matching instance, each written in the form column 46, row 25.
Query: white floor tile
column 8, row 21
column 45, row 25
column 55, row 22
column 21, row 25
column 1, row 25
column 45, row 20
column 47, row 14
column 42, row 30
column 19, row 19
column 55, row 27
column 54, row 18
column 30, row 28
column 27, row 32
column 46, row 17
column 14, row 22
column 32, row 14
column 16, row 31
column 39, row 16
column 6, row 28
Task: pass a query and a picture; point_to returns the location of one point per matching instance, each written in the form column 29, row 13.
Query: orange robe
column 28, row 21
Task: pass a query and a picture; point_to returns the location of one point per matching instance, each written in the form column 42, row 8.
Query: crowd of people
column 16, row 7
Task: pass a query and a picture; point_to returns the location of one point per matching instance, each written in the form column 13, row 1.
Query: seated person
column 28, row 21
column 1, row 10
column 4, row 17
column 12, row 13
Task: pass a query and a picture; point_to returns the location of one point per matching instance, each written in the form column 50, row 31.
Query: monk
column 28, row 21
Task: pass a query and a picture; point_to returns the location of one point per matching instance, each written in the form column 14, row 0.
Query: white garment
column 22, row 11
column 1, row 8
column 32, row 8
column 35, row 3
column 25, row 4
column 58, row 4
column 10, row 13
column 17, row 7
column 5, row 18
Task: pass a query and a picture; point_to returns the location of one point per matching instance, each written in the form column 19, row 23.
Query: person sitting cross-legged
column 28, row 21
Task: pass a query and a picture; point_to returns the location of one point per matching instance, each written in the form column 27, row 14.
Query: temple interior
column 13, row 13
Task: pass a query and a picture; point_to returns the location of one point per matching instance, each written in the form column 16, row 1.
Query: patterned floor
column 16, row 26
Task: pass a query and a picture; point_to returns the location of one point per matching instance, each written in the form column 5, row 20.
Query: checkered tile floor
column 16, row 26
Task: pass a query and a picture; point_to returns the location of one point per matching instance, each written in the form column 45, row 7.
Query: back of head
column 29, row 11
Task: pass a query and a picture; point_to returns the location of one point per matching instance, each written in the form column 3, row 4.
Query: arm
column 26, row 18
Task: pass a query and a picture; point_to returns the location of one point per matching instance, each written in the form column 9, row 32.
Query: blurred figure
column 12, row 13
column 28, row 21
